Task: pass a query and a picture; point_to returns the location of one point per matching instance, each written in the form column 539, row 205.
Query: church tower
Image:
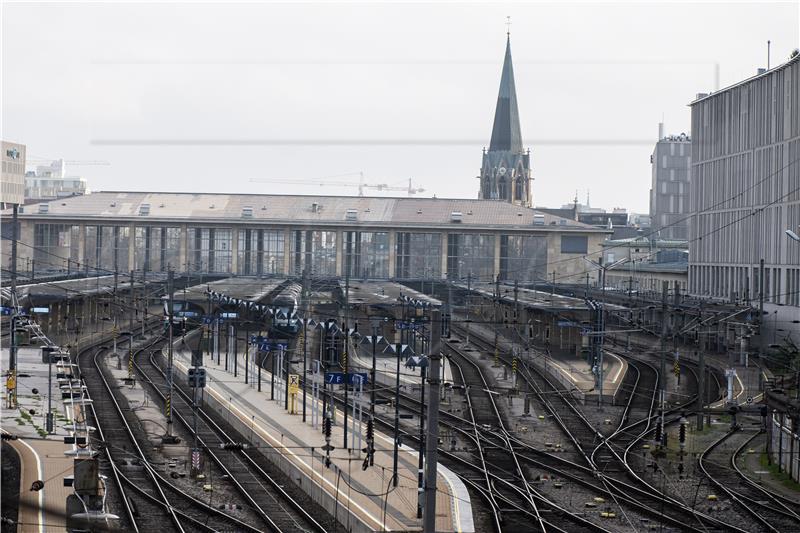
column 506, row 172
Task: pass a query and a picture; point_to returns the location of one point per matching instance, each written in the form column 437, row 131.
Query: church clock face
column 501, row 171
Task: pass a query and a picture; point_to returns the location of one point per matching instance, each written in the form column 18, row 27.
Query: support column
column 496, row 267
column 81, row 247
column 392, row 253
column 183, row 257
column 235, row 251
column 287, row 252
column 339, row 252
column 131, row 247
column 444, row 253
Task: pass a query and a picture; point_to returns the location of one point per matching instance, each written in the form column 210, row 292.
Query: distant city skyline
column 205, row 97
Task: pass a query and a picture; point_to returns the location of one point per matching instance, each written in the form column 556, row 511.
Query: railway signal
column 197, row 377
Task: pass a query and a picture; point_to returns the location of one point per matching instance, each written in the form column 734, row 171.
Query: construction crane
column 37, row 159
column 361, row 184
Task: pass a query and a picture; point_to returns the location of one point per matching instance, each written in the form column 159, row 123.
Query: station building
column 329, row 236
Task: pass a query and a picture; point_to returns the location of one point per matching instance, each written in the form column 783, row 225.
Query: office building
column 669, row 192
column 745, row 194
column 12, row 182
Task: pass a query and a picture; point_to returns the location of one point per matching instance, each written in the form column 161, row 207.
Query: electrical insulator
column 682, row 432
column 658, row 430
column 370, row 431
column 327, row 428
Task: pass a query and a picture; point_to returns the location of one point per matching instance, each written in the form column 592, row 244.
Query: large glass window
column 523, row 257
column 260, row 252
column 315, row 250
column 574, row 244
column 171, row 248
column 418, row 255
column 210, row 250
column 470, row 254
column 157, row 249
column 92, row 250
column 52, row 246
column 147, row 250
column 367, row 254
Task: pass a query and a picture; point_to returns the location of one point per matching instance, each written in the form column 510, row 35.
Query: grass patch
column 782, row 477
column 20, row 421
column 25, row 415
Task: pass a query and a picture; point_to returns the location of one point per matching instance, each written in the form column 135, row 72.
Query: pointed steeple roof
column 506, row 133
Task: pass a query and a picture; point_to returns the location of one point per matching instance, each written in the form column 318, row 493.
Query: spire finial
column 508, row 26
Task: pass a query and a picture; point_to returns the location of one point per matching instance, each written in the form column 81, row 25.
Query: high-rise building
column 745, row 194
column 12, row 182
column 506, row 170
column 669, row 192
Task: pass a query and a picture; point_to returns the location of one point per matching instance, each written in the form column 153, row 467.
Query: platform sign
column 565, row 324
column 271, row 346
column 208, row 319
column 334, row 378
column 407, row 325
column 229, row 315
column 338, row 378
column 40, row 310
column 294, row 383
column 5, row 311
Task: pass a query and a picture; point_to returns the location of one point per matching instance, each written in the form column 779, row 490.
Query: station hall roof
column 298, row 210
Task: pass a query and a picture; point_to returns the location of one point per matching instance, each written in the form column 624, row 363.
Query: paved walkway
column 363, row 496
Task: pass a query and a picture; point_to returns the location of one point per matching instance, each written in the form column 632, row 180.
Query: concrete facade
column 746, row 192
column 375, row 238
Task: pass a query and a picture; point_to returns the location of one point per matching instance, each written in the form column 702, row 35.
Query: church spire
column 506, row 169
column 506, row 132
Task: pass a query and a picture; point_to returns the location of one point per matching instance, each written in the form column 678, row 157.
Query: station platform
column 44, row 457
column 364, row 500
column 570, row 370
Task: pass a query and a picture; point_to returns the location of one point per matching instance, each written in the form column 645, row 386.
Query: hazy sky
column 196, row 96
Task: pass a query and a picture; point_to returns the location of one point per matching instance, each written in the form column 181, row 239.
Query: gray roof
column 297, row 210
column 506, row 132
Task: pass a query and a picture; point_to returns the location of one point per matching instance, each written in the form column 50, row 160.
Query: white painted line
column 621, row 366
column 39, row 476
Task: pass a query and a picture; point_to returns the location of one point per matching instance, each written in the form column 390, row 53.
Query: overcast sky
column 204, row 97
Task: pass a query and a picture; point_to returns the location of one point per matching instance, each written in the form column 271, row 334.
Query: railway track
column 640, row 495
column 719, row 463
column 149, row 500
column 250, row 472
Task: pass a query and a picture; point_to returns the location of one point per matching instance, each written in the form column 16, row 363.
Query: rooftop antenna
column 768, row 43
column 508, row 26
column 587, row 199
